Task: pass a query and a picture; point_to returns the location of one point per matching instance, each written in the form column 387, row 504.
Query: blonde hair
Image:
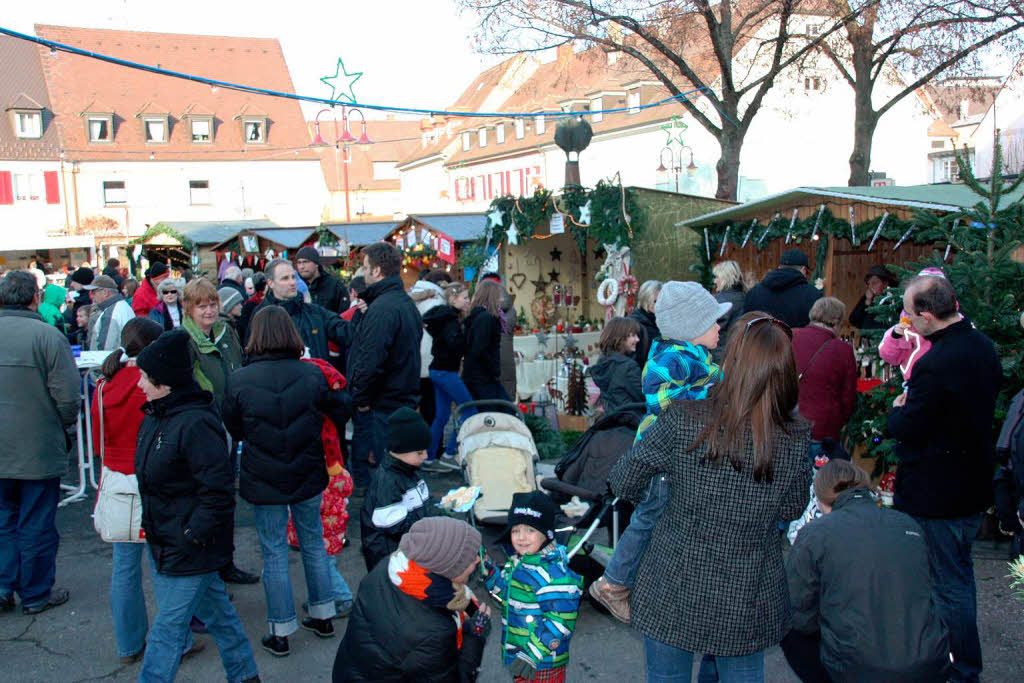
column 647, row 294
column 729, row 273
column 828, row 310
column 838, row 476
column 199, row 291
column 451, row 290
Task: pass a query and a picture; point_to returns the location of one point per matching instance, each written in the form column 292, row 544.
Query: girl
column 481, row 369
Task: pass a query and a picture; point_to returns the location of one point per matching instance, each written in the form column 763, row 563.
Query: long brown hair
column 758, row 393
column 273, row 331
column 489, row 294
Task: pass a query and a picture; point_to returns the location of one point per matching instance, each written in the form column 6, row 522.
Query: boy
column 397, row 496
column 538, row 593
column 679, row 368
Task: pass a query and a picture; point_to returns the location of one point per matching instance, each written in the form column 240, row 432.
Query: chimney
column 564, row 54
column 965, row 107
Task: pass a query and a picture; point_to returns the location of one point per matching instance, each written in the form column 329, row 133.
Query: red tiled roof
column 392, row 141
column 22, row 86
column 77, row 84
column 948, row 97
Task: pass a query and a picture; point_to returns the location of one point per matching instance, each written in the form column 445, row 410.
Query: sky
column 413, row 53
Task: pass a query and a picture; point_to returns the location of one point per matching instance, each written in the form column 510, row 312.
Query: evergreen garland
column 162, row 229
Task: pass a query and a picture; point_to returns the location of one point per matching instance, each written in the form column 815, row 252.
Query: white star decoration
column 496, row 218
column 513, row 236
column 585, row 213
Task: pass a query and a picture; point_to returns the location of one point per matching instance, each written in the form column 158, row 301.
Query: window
column 198, row 192
column 100, row 128
column 155, row 129
column 540, row 125
column 938, row 144
column 633, row 101
column 949, row 171
column 815, row 29
column 26, row 187
column 255, row 131
column 202, row 130
column 385, row 170
column 499, row 134
column 812, row 83
column 520, row 129
column 595, row 106
column 114, row 193
column 467, row 141
column 28, row 124
column 482, row 137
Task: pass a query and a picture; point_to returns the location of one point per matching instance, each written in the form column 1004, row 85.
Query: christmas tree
column 982, row 261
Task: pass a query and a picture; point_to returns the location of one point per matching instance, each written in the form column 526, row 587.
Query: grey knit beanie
column 685, row 310
column 443, row 545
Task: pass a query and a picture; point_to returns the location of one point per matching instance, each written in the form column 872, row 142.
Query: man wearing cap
column 230, row 305
column 146, row 298
column 110, row 313
column 233, row 280
column 325, row 289
column 877, row 279
column 784, row 292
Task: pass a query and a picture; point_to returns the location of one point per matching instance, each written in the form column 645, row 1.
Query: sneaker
column 323, row 628
column 276, row 645
column 58, row 596
column 233, row 574
column 131, row 659
column 433, row 466
column 449, row 462
column 7, row 603
column 613, row 598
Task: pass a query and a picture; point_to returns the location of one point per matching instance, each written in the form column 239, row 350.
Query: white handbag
column 117, row 516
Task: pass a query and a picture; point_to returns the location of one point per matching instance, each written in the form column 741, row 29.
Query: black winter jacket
column 449, row 345
column 735, row 296
column 861, row 319
column 316, row 324
column 946, row 448
column 384, row 360
column 187, row 485
column 276, row 406
column 327, row 291
column 649, row 332
column 482, row 363
column 618, row 377
column 835, row 569
column 395, row 638
column 396, row 498
column 785, row 294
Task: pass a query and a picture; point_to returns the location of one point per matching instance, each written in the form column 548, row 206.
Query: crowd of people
column 245, row 385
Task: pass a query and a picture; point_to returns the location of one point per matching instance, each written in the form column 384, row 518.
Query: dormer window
column 633, row 101
column 255, row 131
column 499, row 134
column 520, row 129
column 482, row 137
column 28, row 124
column 540, row 125
column 100, row 127
column 154, row 129
column 467, row 141
column 595, row 106
column 202, row 129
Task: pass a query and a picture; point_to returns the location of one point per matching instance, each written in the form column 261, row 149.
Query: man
column 785, row 292
column 233, row 279
column 41, row 401
column 325, row 289
column 384, row 359
column 877, row 279
column 111, row 314
column 146, row 298
column 944, row 427
column 112, row 271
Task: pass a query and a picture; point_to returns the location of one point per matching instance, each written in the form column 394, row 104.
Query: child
column 397, row 496
column 538, row 593
column 79, row 336
column 678, row 368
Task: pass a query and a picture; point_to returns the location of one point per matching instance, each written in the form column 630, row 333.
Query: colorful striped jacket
column 675, row 371
column 540, row 600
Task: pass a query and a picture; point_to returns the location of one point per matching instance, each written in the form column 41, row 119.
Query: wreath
column 629, row 287
column 608, row 292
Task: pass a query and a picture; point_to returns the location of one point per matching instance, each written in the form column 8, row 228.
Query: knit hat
column 82, row 276
column 229, row 298
column 157, row 271
column 534, row 509
column 793, row 257
column 308, row 253
column 443, row 545
column 685, row 310
column 167, row 360
column 102, row 282
column 407, row 432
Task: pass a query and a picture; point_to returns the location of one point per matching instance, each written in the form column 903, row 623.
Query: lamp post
column 675, row 162
column 342, row 142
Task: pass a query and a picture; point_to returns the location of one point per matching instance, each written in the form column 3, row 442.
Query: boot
column 612, row 597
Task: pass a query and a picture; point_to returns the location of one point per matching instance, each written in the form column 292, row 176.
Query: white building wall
column 31, row 216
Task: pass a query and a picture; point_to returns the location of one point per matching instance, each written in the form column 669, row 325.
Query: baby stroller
column 497, row 453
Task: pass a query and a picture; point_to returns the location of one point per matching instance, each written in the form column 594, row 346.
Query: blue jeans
column 666, row 663
column 448, row 389
column 272, row 527
column 339, row 587
column 179, row 598
column 629, row 552
column 953, row 590
column 369, row 436
column 28, row 538
column 127, row 602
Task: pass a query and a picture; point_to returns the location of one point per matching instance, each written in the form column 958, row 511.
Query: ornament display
column 608, row 292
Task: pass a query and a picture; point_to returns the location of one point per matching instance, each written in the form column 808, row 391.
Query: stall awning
column 27, row 241
column 461, row 227
column 204, row 233
column 361, row 234
column 289, row 238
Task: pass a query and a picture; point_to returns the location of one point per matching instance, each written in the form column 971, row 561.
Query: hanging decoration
column 608, row 291
column 792, row 222
column 765, row 233
column 513, row 236
column 553, row 275
column 949, row 241
column 585, row 213
column 707, row 243
column 725, row 240
column 518, row 279
column 853, row 229
column 817, row 222
column 878, row 231
column 750, row 232
column 904, row 237
column 345, row 82
column 628, row 287
column 556, row 254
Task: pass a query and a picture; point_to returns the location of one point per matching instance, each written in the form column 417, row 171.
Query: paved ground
column 75, row 642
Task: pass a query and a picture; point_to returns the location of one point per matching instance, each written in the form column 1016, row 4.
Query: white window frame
column 385, row 170
column 633, row 101
column 157, row 120
column 257, row 121
column 520, row 127
column 467, row 141
column 208, row 120
column 481, row 137
column 106, row 120
column 499, row 134
column 197, row 194
column 34, row 130
column 115, row 196
column 540, row 124
column 595, row 105
column 26, row 187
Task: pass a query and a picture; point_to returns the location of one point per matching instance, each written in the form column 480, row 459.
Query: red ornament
column 888, row 482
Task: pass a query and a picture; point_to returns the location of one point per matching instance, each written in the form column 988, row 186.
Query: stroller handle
column 555, row 484
column 492, row 403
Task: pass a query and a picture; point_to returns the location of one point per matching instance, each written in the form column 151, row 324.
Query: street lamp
column 342, row 142
column 675, row 162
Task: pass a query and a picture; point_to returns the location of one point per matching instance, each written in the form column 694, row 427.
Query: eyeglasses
column 170, row 291
column 774, row 321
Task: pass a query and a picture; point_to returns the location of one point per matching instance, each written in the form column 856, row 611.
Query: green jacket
column 49, row 307
column 213, row 360
column 42, row 398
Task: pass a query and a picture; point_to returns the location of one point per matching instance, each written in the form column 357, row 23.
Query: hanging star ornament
column 585, row 213
column 341, row 83
column 539, row 285
column 674, row 129
column 513, row 236
column 496, row 218
column 542, row 339
column 556, row 254
column 570, row 342
column 553, row 275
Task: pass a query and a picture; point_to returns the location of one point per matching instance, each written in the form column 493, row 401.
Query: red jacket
column 145, row 299
column 828, row 388
column 122, row 416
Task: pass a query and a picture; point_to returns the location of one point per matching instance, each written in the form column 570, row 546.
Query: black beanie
column 310, row 254
column 407, row 432
column 156, row 270
column 83, row 276
column 534, row 509
column 167, row 360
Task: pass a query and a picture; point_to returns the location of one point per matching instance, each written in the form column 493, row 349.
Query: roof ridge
column 126, row 32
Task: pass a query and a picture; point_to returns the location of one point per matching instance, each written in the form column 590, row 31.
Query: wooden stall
column 434, row 241
column 193, row 244
column 254, row 247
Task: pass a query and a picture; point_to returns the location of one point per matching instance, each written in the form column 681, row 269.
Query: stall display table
column 533, row 374
column 87, row 362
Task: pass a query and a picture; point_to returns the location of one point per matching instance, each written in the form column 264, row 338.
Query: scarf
column 675, row 371
column 430, row 588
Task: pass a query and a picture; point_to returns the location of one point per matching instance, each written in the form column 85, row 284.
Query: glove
column 479, row 625
column 523, row 666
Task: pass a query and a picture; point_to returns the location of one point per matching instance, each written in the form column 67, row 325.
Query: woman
column 615, row 373
column 875, row 282
column 735, row 465
column 188, row 508
column 827, row 372
column 481, row 369
column 444, row 325
column 128, row 289
column 168, row 311
column 214, row 344
column 728, row 289
column 276, row 405
column 644, row 314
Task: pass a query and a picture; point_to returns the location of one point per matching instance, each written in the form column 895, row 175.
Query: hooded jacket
column 427, row 296
column 327, row 291
column 649, row 332
column 785, row 294
column 834, row 571
column 384, row 359
column 49, row 307
column 122, row 402
column 618, row 377
column 316, row 324
column 448, row 341
column 110, row 318
column 482, row 363
column 735, row 296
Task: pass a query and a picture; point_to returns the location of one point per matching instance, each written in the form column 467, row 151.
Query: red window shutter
column 6, row 188
column 52, row 189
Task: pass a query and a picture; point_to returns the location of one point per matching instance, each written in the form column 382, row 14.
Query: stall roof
column 935, row 197
column 291, row 238
column 214, row 232
column 361, row 234
column 461, row 227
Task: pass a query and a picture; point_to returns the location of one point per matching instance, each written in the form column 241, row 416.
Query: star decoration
column 556, row 254
column 539, row 285
column 345, row 92
column 585, row 213
column 513, row 236
column 570, row 342
column 674, row 129
column 553, row 275
column 542, row 339
column 496, row 218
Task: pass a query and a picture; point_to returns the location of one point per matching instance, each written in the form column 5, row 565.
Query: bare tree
column 685, row 44
column 914, row 42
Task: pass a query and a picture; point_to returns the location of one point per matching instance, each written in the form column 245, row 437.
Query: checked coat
column 712, row 579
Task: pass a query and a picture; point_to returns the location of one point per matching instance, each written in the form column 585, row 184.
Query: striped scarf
column 430, row 588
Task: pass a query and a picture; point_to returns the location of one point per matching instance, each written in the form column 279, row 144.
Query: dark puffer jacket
column 187, row 484
column 396, row 499
column 384, row 360
column 650, row 332
column 395, row 638
column 276, row 406
column 328, row 292
column 449, row 346
column 785, row 294
column 483, row 348
column 316, row 324
column 618, row 377
column 835, row 569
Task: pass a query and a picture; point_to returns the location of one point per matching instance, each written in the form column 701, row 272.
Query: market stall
column 189, row 244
